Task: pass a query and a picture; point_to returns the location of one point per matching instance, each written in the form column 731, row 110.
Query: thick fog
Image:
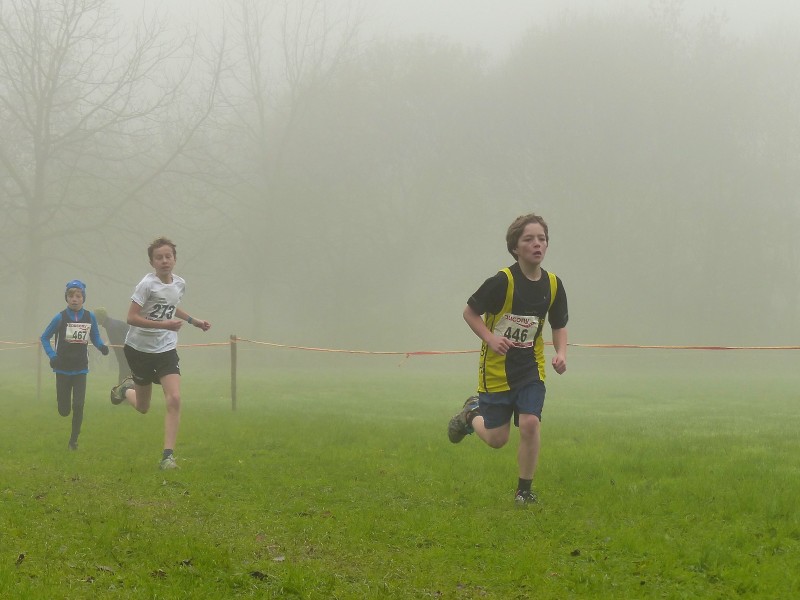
column 342, row 174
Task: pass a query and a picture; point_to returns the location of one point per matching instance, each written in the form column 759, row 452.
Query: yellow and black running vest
column 524, row 331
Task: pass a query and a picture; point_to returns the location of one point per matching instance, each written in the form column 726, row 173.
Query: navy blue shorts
column 497, row 408
column 147, row 368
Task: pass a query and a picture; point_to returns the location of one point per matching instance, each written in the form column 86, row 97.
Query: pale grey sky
column 493, row 24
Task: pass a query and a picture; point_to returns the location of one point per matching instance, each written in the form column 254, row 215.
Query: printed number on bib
column 521, row 330
column 161, row 312
column 78, row 333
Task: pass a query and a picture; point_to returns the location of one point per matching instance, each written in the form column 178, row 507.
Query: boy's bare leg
column 529, row 443
column 496, row 437
column 171, row 384
column 139, row 397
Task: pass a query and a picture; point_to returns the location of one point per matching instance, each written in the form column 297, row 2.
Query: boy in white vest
column 150, row 346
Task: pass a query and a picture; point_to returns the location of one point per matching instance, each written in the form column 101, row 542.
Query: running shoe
column 168, row 463
column 523, row 498
column 118, row 391
column 457, row 428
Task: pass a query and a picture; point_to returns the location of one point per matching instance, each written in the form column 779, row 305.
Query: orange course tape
column 22, row 345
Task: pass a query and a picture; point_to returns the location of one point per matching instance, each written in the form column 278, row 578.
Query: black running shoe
column 523, row 498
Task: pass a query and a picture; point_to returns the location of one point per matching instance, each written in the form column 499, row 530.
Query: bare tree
column 88, row 121
column 283, row 53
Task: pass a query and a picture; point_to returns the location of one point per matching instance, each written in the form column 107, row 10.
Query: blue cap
column 76, row 284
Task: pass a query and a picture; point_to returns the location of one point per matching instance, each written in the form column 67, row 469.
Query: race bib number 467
column 78, row 333
column 521, row 330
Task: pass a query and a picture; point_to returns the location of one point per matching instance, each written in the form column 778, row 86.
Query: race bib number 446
column 521, row 330
column 78, row 333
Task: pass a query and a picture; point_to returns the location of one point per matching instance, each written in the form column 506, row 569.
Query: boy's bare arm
column 199, row 323
column 560, row 346
column 137, row 320
column 497, row 343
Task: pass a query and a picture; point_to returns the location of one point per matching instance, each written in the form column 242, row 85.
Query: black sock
column 471, row 415
column 167, row 454
column 524, row 485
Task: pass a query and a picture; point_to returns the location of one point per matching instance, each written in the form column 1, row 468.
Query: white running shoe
column 168, row 463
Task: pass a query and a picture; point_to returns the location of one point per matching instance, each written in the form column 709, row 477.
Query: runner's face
column 532, row 244
column 163, row 261
column 75, row 300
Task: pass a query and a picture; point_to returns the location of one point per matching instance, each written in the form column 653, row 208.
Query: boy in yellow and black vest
column 508, row 313
column 73, row 328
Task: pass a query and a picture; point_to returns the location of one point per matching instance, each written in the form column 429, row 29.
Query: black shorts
column 147, row 367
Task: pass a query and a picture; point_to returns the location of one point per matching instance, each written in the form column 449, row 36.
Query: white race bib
column 78, row 333
column 521, row 330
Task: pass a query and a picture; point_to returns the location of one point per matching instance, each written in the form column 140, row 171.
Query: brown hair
column 518, row 226
column 162, row 241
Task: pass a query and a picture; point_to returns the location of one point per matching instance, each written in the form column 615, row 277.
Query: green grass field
column 662, row 475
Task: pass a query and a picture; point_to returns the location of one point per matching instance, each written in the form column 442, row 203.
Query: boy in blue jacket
column 73, row 328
